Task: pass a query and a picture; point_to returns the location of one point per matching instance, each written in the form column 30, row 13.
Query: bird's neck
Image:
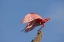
column 44, row 21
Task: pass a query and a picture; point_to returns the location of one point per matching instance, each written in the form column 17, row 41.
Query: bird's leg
column 42, row 25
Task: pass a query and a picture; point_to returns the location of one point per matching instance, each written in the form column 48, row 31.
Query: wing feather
column 30, row 17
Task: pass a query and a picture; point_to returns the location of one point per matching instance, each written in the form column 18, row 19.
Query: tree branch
column 38, row 37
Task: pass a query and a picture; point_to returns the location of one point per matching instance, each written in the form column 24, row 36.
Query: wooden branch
column 37, row 37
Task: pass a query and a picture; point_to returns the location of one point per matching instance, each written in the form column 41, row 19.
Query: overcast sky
column 12, row 12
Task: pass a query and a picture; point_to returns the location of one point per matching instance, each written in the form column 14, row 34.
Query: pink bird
column 33, row 20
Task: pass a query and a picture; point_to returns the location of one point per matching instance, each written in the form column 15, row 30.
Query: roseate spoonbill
column 33, row 20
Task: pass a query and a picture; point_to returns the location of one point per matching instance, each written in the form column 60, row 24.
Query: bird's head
column 47, row 19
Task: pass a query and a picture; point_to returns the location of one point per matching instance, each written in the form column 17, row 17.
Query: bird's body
column 31, row 25
column 34, row 22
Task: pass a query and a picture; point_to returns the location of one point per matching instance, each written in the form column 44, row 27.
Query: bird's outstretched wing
column 30, row 17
